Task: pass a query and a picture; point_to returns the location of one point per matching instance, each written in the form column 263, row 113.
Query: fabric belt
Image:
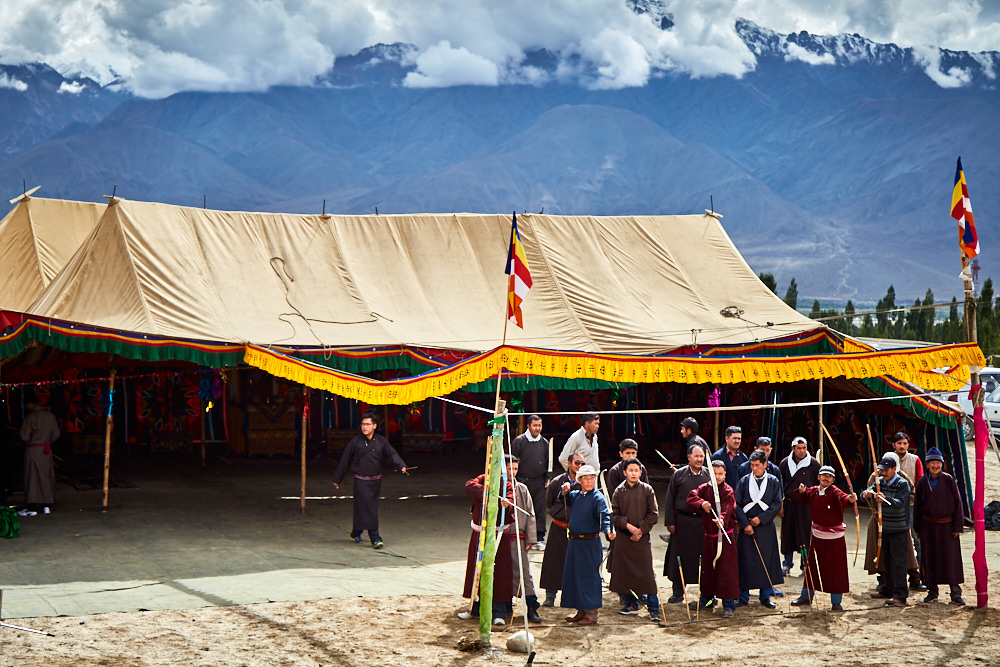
column 561, row 524
column 828, row 532
column 584, row 536
column 728, row 532
column 937, row 520
column 693, row 514
column 366, row 478
column 46, row 445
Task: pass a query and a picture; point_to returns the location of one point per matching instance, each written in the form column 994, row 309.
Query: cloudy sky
column 158, row 47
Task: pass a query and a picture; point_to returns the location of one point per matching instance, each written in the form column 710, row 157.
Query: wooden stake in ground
column 107, row 439
column 305, row 427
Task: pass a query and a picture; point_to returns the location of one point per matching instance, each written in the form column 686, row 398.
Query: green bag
column 9, row 526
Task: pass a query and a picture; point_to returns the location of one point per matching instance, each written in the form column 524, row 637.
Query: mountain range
column 832, row 161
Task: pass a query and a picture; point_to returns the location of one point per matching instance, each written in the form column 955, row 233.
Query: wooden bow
column 718, row 514
column 878, row 489
column 850, row 489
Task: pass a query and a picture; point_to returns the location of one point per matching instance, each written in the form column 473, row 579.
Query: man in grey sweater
column 895, row 499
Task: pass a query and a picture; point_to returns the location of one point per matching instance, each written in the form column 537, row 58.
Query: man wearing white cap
column 589, row 516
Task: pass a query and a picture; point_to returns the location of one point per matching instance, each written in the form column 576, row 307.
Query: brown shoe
column 575, row 619
column 587, row 621
column 878, row 596
column 893, row 602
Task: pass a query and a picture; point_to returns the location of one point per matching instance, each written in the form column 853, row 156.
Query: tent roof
column 622, row 285
column 37, row 238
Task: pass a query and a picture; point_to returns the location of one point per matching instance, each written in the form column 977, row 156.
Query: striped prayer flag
column 961, row 210
column 520, row 277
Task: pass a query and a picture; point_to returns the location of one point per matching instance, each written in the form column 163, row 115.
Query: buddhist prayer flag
column 961, row 210
column 519, row 281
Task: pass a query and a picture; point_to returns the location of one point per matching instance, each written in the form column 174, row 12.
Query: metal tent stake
column 17, row 627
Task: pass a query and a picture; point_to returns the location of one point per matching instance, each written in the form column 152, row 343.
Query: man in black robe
column 689, row 432
column 758, row 501
column 532, row 453
column 799, row 467
column 937, row 516
column 554, row 559
column 685, row 527
column 731, row 454
column 367, row 454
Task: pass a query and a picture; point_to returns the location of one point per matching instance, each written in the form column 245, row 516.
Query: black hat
column 886, row 463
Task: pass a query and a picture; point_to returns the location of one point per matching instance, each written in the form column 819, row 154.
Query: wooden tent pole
column 107, row 440
column 202, row 421
column 819, row 429
column 305, row 426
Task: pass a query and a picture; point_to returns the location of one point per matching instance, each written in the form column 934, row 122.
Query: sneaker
column 465, row 616
column 931, row 597
column 46, row 510
column 539, row 546
column 654, row 616
column 26, row 512
column 498, row 622
column 775, row 593
column 629, row 610
column 741, row 603
column 377, row 545
column 356, row 540
column 727, row 613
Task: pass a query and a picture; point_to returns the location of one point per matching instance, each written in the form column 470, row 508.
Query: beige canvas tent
column 621, row 285
column 37, row 238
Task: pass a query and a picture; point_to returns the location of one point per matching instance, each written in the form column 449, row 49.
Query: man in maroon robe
column 827, row 565
column 937, row 516
column 720, row 578
column 503, row 572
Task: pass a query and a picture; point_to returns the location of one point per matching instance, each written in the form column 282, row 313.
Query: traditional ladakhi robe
column 687, row 539
column 616, row 477
column 39, row 430
column 554, row 557
column 720, row 579
column 633, row 565
column 503, row 572
column 367, row 458
column 937, row 513
column 796, row 525
column 827, row 568
column 759, row 499
column 589, row 516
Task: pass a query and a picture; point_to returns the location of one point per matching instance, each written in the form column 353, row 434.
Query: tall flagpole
column 961, row 210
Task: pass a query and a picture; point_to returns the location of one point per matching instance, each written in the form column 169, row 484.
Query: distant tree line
column 918, row 324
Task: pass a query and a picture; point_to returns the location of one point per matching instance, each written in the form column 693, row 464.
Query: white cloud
column 442, row 65
column 157, row 47
column 930, row 59
column 72, row 87
column 11, row 82
column 796, row 52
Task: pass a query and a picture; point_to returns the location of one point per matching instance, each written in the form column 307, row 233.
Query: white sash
column 794, row 467
column 756, row 493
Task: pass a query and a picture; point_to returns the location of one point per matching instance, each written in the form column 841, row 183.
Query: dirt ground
column 424, row 630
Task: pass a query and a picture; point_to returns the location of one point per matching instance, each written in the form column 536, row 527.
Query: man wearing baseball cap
column 896, row 542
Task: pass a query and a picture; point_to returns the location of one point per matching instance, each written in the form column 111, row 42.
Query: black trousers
column 895, row 552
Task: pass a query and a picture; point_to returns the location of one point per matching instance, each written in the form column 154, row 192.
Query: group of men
column 719, row 511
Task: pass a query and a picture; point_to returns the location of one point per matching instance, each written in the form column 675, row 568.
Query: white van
column 990, row 379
